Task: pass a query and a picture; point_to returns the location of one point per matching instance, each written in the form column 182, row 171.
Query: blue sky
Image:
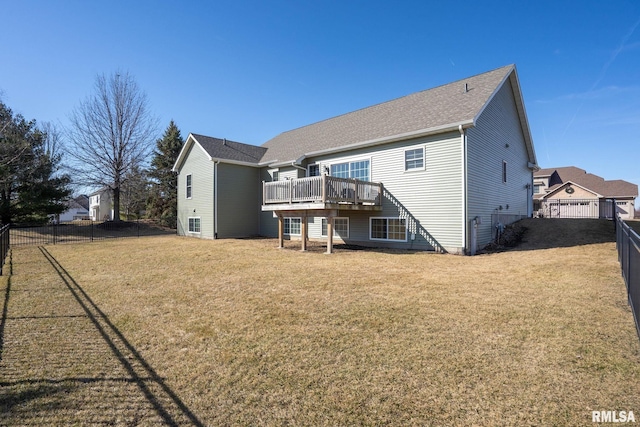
column 249, row 70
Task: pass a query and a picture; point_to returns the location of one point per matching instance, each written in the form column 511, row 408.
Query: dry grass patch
column 244, row 333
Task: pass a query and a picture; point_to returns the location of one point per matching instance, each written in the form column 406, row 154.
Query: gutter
column 215, row 198
column 373, row 142
column 465, row 233
column 299, row 167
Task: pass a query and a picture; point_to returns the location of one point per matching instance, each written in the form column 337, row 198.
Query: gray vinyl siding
column 497, row 127
column 289, row 172
column 430, row 198
column 268, row 224
column 200, row 205
column 239, row 201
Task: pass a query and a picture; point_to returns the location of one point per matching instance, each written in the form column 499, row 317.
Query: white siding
column 497, row 137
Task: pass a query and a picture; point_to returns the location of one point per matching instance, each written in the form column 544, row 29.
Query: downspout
column 215, row 199
column 465, row 234
column 299, row 167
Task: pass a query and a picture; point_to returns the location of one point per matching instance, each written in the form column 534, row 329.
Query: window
column 340, row 227
column 194, row 225
column 504, row 171
column 292, row 226
column 388, row 229
column 358, row 170
column 537, row 188
column 414, row 159
column 188, row 186
column 340, row 170
column 275, row 176
column 313, row 170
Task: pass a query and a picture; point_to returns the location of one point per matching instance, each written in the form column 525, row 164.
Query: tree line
column 109, row 145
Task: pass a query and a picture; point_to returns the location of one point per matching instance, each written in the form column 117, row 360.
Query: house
column 437, row 170
column 571, row 192
column 101, row 205
column 77, row 209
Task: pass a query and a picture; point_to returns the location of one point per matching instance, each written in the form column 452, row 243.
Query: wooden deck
column 318, row 196
column 320, row 192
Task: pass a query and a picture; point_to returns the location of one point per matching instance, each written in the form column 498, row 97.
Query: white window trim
column 388, row 218
column 290, row 218
column 322, row 234
column 350, row 160
column 188, row 225
column 424, row 160
column 271, row 173
column 188, row 186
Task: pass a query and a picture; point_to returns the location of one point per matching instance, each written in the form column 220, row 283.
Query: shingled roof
column 609, row 189
column 221, row 149
column 438, row 109
column 441, row 109
column 230, row 150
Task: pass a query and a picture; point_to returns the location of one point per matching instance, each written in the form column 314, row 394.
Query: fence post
column 91, row 230
column 5, row 243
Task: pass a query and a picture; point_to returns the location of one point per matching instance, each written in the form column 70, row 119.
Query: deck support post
column 280, row 232
column 330, row 234
column 304, row 232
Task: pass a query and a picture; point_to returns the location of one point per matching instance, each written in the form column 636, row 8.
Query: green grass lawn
column 241, row 333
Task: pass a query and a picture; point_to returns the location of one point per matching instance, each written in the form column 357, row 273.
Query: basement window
column 340, row 227
column 292, row 226
column 194, row 225
column 394, row 229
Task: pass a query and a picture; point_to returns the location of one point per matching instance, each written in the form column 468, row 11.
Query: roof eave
column 191, row 139
column 235, row 162
column 451, row 127
column 567, row 183
column 512, row 75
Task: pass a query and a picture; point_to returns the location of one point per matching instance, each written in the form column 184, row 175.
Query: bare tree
column 112, row 132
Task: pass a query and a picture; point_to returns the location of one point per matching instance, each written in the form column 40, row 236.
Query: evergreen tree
column 163, row 201
column 31, row 185
column 135, row 192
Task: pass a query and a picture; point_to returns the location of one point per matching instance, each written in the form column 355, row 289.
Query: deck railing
column 322, row 189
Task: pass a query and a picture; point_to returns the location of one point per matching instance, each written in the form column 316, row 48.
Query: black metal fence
column 82, row 231
column 574, row 208
column 628, row 244
column 4, row 245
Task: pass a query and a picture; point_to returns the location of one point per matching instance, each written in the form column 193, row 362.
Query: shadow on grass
column 138, row 385
column 5, row 307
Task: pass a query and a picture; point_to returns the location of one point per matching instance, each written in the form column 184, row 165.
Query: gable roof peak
column 439, row 109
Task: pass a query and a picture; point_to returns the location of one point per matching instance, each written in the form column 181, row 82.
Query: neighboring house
column 437, row 170
column 77, row 209
column 571, row 192
column 101, row 205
